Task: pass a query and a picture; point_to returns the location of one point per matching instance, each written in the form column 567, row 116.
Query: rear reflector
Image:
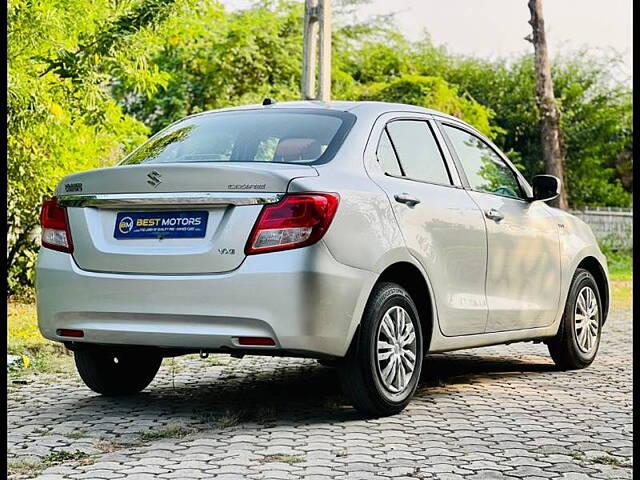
column 298, row 220
column 70, row 333
column 56, row 233
column 256, row 341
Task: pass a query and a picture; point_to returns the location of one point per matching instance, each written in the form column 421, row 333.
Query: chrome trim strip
column 201, row 199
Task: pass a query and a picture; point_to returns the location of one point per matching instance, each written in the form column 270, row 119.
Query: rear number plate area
column 132, row 225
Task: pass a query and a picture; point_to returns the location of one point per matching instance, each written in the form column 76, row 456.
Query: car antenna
column 268, row 101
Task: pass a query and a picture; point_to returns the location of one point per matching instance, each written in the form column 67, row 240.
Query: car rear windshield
column 280, row 136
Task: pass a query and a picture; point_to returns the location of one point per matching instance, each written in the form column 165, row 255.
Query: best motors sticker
column 131, row 225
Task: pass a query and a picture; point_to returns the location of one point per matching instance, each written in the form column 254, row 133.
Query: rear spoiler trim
column 200, row 199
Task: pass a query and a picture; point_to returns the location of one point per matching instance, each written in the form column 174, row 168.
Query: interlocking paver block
column 489, row 413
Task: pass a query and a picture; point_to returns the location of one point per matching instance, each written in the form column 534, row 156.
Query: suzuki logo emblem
column 155, row 178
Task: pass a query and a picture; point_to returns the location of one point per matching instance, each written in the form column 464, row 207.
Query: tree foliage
column 64, row 58
column 90, row 80
column 431, row 92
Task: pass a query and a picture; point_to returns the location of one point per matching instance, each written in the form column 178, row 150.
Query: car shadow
column 460, row 367
column 304, row 393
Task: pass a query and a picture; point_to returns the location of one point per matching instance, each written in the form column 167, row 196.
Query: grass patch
column 265, row 415
column 176, row 431
column 76, row 434
column 32, row 468
column 216, row 360
column 621, row 295
column 620, row 263
column 24, row 339
column 290, row 459
column 28, row 468
column 228, row 420
column 620, row 275
column 609, row 460
column 107, row 446
column 578, row 455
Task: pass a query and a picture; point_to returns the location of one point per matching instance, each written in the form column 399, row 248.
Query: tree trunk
column 549, row 114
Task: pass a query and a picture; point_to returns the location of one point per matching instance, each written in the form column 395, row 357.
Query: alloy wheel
column 396, row 349
column 586, row 320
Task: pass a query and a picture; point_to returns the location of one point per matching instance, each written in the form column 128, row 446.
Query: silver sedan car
column 362, row 234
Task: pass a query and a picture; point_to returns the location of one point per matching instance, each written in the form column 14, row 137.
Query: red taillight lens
column 55, row 226
column 262, row 341
column 63, row 332
column 296, row 221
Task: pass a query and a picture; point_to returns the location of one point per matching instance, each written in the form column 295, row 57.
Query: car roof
column 358, row 108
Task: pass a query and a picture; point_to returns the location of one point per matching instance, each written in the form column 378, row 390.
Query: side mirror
column 545, row 187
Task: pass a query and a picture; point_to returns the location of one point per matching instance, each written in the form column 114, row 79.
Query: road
column 487, row 413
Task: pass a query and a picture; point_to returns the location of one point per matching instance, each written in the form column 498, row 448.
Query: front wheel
column 116, row 373
column 576, row 343
column 381, row 370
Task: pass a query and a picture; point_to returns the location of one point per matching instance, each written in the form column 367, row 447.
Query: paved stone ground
column 487, row 413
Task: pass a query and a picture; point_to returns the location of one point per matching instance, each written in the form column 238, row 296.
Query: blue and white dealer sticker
column 131, row 225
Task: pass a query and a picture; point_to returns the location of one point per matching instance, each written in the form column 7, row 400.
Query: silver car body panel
column 456, row 264
column 310, row 300
column 267, row 296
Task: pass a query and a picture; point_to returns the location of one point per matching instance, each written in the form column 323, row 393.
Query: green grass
column 290, row 459
column 620, row 263
column 76, row 434
column 621, row 295
column 228, row 420
column 24, row 339
column 578, row 455
column 609, row 460
column 621, row 277
column 32, row 468
column 106, row 445
column 174, row 431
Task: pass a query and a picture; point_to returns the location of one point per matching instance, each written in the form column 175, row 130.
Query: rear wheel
column 578, row 338
column 116, row 373
column 382, row 368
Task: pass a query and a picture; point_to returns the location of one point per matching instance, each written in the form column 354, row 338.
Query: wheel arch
column 409, row 276
column 595, row 268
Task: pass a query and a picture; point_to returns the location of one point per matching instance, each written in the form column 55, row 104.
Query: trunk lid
column 222, row 201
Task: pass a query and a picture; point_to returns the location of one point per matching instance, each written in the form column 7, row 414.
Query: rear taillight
column 64, row 332
column 296, row 221
column 55, row 226
column 261, row 341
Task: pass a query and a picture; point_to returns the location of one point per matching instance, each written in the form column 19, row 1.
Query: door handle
column 494, row 214
column 406, row 198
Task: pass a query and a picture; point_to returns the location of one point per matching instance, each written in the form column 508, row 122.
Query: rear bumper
column 304, row 299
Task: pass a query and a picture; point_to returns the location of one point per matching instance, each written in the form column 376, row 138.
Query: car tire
column 578, row 338
column 116, row 373
column 369, row 380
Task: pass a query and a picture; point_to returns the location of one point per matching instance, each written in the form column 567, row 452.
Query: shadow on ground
column 284, row 394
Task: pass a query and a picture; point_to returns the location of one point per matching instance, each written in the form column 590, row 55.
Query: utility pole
column 549, row 114
column 317, row 30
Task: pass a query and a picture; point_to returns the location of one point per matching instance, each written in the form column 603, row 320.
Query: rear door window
column 419, row 154
column 387, row 157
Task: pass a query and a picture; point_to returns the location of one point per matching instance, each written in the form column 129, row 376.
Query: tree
column 431, row 92
column 549, row 114
column 64, row 58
